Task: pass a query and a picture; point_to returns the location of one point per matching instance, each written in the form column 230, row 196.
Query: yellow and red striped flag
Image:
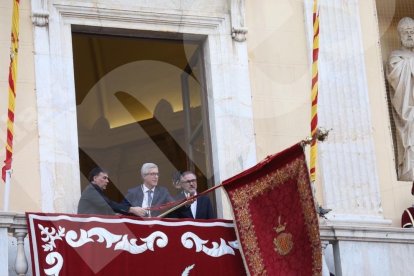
column 12, row 87
column 314, row 108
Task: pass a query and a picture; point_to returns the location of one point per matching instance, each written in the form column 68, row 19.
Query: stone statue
column 401, row 77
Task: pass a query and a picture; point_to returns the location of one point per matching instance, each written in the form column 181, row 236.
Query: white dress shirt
column 145, row 200
column 193, row 205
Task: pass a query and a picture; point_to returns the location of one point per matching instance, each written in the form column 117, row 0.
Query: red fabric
column 407, row 218
column 51, row 237
column 275, row 217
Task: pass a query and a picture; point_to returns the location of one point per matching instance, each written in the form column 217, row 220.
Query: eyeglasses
column 190, row 181
column 153, row 174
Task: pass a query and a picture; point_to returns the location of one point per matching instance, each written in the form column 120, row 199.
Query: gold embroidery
column 295, row 170
column 284, row 241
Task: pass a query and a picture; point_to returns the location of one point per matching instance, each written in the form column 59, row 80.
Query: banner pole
column 7, row 191
column 173, row 209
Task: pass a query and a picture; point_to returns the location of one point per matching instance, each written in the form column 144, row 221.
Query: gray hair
column 146, row 167
column 187, row 173
column 404, row 23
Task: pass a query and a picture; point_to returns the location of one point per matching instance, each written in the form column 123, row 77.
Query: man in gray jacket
column 94, row 201
column 148, row 194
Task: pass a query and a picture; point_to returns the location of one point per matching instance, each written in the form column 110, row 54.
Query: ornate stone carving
column 40, row 13
column 239, row 34
column 238, row 28
column 40, row 19
column 400, row 76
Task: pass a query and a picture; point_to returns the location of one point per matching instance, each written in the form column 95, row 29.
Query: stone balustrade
column 348, row 249
column 360, row 249
column 13, row 252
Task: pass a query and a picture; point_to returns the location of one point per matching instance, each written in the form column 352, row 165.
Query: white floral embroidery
column 190, row 239
column 55, row 259
column 158, row 238
column 234, row 244
column 51, row 236
column 187, row 270
column 86, row 237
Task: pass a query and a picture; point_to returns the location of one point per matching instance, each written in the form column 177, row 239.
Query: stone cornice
column 12, row 220
column 40, row 13
column 84, row 12
column 367, row 234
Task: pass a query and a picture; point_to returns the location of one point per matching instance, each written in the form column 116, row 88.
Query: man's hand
column 189, row 202
column 138, row 211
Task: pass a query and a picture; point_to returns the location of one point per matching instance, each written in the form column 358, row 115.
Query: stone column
column 4, row 252
column 56, row 113
column 21, row 265
column 238, row 26
column 40, row 20
column 347, row 161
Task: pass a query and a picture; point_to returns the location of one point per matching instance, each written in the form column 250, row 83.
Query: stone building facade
column 255, row 61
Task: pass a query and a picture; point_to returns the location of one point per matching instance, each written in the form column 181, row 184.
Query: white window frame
column 227, row 83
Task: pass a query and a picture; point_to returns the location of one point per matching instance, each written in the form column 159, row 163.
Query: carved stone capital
column 40, row 18
column 238, row 28
column 239, row 34
column 40, row 13
column 324, row 245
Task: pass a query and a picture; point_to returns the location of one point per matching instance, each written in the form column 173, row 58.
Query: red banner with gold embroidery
column 64, row 244
column 275, row 216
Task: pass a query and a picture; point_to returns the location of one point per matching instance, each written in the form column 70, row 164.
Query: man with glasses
column 200, row 208
column 94, row 201
column 140, row 199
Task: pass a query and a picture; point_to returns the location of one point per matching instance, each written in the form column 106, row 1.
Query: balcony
column 349, row 250
column 14, row 245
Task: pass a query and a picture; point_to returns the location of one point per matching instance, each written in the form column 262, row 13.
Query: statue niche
column 400, row 74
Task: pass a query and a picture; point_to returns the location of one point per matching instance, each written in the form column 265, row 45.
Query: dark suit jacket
column 135, row 196
column 94, row 201
column 204, row 209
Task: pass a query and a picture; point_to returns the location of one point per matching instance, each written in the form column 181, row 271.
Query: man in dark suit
column 94, row 201
column 407, row 217
column 148, row 194
column 201, row 208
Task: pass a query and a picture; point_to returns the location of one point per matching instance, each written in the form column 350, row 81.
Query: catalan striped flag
column 314, row 109
column 12, row 87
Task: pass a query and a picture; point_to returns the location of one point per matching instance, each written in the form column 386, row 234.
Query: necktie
column 149, row 197
column 149, row 202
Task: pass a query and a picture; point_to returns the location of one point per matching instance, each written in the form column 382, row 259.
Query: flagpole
column 7, row 191
column 6, row 170
column 173, row 209
column 314, row 91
